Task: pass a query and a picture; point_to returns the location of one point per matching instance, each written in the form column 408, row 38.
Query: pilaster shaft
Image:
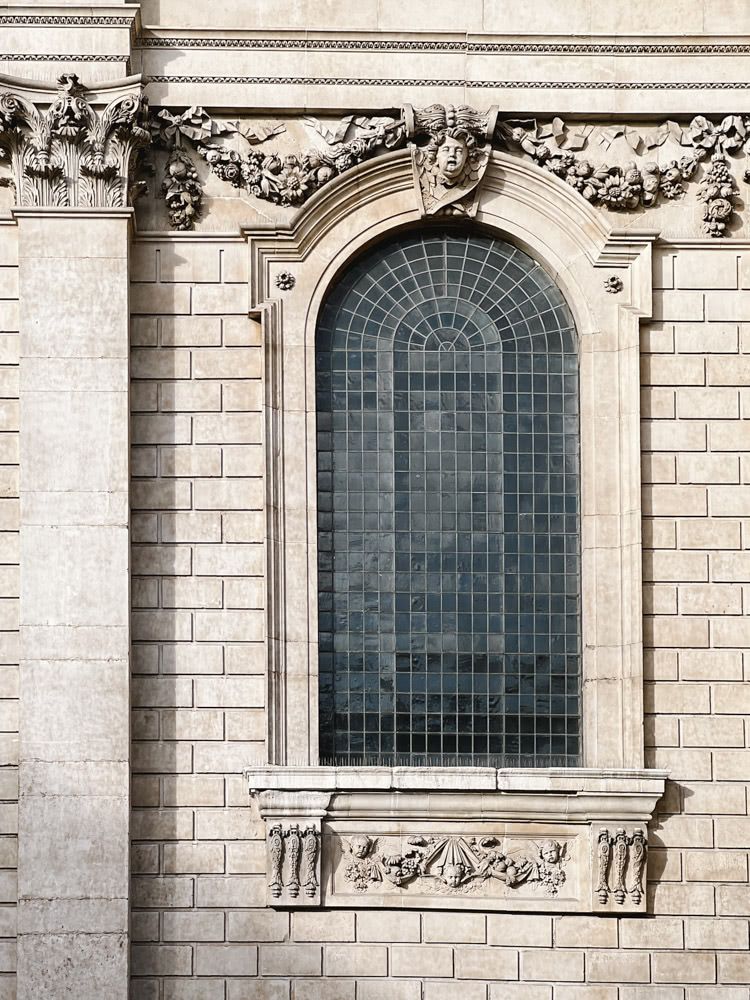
column 74, row 733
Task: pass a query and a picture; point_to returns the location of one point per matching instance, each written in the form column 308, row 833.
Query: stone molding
column 458, row 838
column 65, row 149
column 550, row 221
column 332, row 44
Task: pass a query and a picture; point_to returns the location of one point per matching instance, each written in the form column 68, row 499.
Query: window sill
column 555, row 839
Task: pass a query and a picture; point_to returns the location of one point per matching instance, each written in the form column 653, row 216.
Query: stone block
column 558, row 965
column 618, row 967
column 291, row 959
column 585, row 932
column 161, row 960
column 394, row 926
column 226, row 960
column 650, row 934
column 191, row 858
column 422, row 961
column 231, row 893
column 684, row 967
column 193, row 926
column 454, row 928
column 337, row 925
column 490, row 963
column 355, row 960
column 726, row 934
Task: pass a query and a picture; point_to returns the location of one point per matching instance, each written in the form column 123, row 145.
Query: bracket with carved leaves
column 70, row 154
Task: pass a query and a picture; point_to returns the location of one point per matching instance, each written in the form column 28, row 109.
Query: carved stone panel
column 481, row 867
column 565, row 851
column 293, row 864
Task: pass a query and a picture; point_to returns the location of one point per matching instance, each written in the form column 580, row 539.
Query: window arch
column 448, row 508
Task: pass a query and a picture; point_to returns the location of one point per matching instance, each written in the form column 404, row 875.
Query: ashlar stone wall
column 199, row 932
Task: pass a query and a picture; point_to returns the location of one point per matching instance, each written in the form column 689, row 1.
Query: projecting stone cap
column 557, row 839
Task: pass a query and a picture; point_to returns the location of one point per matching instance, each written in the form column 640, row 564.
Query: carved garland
column 450, row 151
column 454, row 864
column 69, row 155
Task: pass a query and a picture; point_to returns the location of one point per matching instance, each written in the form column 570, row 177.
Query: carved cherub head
column 360, row 845
column 549, row 852
column 452, row 150
column 453, row 875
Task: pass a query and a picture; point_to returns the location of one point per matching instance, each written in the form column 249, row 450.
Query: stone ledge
column 553, row 839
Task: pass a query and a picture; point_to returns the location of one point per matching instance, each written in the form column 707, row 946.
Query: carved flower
column 285, row 280
column 718, row 208
column 618, row 193
column 232, row 172
column 293, row 186
column 613, row 284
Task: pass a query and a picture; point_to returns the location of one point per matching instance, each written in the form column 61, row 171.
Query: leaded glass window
column 448, row 508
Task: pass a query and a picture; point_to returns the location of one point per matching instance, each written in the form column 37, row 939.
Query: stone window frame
column 605, row 275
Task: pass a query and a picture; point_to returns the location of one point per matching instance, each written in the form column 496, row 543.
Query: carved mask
column 451, row 157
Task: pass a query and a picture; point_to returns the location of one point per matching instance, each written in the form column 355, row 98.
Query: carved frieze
column 451, row 147
column 70, row 154
column 451, row 864
column 472, row 850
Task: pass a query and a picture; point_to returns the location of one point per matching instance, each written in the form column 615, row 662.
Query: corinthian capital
column 71, row 146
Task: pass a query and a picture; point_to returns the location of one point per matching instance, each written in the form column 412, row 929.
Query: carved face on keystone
column 451, row 156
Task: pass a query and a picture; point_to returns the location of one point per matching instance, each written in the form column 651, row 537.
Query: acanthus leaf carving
column 70, row 155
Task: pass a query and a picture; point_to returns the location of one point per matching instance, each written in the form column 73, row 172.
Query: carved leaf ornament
column 70, row 154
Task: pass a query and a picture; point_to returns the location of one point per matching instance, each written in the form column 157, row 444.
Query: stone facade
column 179, row 186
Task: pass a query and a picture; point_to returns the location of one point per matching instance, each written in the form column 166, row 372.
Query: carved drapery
column 71, row 154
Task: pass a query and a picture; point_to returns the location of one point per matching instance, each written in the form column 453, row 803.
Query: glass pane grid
column 448, row 485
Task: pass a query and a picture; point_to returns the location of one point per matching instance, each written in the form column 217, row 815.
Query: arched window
column 448, row 508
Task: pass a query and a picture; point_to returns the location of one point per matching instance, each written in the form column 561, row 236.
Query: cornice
column 89, row 15
column 326, row 43
column 67, row 57
column 462, row 82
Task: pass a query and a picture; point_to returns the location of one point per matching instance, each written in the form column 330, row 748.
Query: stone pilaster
column 74, row 674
